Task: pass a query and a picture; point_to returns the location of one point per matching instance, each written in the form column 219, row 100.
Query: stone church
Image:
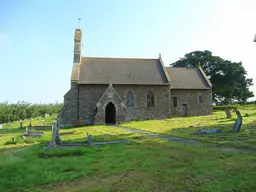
column 115, row 90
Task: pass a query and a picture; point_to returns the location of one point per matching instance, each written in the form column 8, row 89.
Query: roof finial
column 78, row 22
column 160, row 55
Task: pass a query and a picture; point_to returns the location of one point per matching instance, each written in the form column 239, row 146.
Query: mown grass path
column 190, row 142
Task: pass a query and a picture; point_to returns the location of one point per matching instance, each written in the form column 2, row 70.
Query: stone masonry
column 190, row 97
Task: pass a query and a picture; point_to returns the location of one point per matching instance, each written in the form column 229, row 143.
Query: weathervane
column 78, row 22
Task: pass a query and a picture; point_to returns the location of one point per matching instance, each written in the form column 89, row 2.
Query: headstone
column 57, row 139
column 238, row 125
column 208, row 131
column 89, row 139
column 238, row 114
column 228, row 114
column 26, row 132
column 1, row 126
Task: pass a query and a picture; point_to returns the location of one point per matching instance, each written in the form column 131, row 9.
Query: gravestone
column 20, row 123
column 238, row 114
column 54, row 133
column 26, row 132
column 1, row 126
column 89, row 139
column 35, row 134
column 208, row 131
column 57, row 139
column 238, row 125
column 228, row 114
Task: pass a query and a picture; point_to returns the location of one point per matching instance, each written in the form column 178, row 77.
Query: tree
column 228, row 78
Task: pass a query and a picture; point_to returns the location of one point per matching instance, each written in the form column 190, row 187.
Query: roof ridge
column 183, row 67
column 201, row 71
column 120, row 58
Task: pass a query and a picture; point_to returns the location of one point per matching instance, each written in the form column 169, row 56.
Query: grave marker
column 89, row 140
column 238, row 125
column 228, row 114
column 238, row 114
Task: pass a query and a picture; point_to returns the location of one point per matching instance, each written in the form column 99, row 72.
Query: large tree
column 228, row 78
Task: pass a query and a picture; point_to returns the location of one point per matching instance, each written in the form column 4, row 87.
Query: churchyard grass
column 35, row 121
column 186, row 127
column 144, row 164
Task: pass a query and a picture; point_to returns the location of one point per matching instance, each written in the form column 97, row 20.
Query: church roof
column 188, row 78
column 94, row 70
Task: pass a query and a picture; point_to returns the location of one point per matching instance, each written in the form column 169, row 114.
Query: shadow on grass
column 245, row 139
column 12, row 130
column 99, row 138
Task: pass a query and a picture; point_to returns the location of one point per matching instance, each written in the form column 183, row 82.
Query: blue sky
column 36, row 37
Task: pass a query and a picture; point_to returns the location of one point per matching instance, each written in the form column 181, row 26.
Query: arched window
column 129, row 99
column 150, row 99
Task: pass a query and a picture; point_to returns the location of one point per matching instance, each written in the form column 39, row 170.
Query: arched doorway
column 110, row 114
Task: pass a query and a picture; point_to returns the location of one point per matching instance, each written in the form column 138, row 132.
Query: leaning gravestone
column 1, row 126
column 238, row 125
column 228, row 114
column 238, row 114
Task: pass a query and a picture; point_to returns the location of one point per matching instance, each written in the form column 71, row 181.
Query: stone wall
column 190, row 97
column 87, row 97
column 140, row 110
column 69, row 112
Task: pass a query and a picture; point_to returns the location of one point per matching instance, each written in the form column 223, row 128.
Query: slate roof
column 94, row 70
column 188, row 78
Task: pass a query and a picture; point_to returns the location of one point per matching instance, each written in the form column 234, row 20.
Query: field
column 144, row 164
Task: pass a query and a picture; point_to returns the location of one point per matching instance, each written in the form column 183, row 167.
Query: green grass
column 144, row 164
column 35, row 121
column 187, row 127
